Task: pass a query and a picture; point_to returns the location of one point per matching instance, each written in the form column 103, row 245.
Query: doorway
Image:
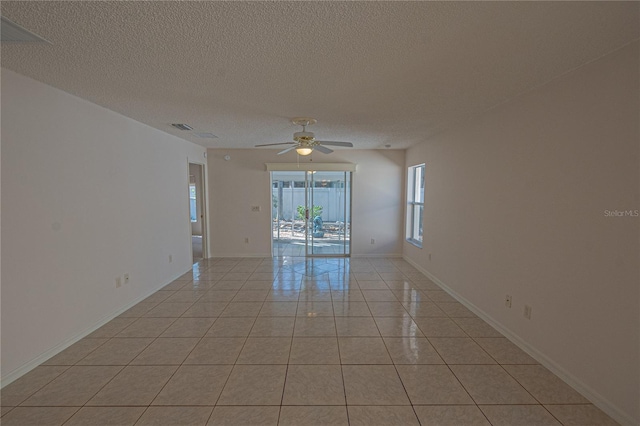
column 196, row 212
column 311, row 213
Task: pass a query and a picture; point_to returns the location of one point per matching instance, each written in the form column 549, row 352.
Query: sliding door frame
column 309, row 187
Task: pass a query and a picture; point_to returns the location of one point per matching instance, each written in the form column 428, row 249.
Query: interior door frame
column 200, row 195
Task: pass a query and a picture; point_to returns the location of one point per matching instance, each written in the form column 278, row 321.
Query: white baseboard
column 30, row 365
column 253, row 255
column 598, row 400
column 248, row 255
column 375, row 255
column 269, row 256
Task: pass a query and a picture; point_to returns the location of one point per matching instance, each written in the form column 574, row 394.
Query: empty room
column 320, row 213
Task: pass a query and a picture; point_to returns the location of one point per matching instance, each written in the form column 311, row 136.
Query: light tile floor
column 296, row 341
column 296, row 247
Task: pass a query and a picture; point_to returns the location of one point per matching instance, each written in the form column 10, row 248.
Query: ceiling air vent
column 14, row 33
column 206, row 135
column 182, row 126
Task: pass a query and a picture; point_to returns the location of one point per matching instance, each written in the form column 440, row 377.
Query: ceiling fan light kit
column 304, row 150
column 305, row 142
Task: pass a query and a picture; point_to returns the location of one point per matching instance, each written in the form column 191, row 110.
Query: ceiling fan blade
column 288, row 149
column 323, row 149
column 334, row 143
column 272, row 144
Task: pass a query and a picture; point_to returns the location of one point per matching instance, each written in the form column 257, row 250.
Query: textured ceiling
column 372, row 73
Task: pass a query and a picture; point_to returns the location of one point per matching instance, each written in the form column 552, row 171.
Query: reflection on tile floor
column 296, row 341
column 296, row 247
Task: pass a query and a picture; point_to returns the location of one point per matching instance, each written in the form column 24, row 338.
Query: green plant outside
column 315, row 211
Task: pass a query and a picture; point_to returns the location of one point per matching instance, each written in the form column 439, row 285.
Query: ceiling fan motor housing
column 304, row 136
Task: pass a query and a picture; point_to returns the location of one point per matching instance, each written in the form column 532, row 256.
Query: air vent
column 14, row 33
column 182, row 126
column 206, row 135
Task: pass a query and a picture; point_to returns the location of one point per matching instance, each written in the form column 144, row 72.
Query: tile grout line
column 344, row 384
column 203, row 337
column 192, row 349
column 395, row 367
column 286, row 371
column 232, row 368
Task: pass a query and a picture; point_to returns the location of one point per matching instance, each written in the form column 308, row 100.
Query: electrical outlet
column 126, row 278
column 170, row 258
column 527, row 311
column 373, row 241
column 246, row 240
column 118, row 282
column 507, row 301
column 255, row 208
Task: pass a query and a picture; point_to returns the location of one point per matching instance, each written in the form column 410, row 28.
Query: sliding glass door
column 329, row 207
column 311, row 214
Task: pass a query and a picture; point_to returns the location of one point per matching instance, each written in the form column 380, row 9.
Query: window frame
column 193, row 203
column 415, row 205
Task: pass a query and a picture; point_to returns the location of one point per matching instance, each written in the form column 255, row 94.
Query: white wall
column 515, row 204
column 87, row 195
column 242, row 182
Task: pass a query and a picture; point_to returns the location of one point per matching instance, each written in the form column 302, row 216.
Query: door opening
column 196, row 212
column 311, row 213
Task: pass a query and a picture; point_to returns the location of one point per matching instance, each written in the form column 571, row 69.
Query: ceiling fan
column 305, row 142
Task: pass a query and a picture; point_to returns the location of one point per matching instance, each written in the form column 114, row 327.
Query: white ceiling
column 372, row 73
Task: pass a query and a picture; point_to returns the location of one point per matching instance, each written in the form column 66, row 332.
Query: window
column 192, row 202
column 415, row 204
